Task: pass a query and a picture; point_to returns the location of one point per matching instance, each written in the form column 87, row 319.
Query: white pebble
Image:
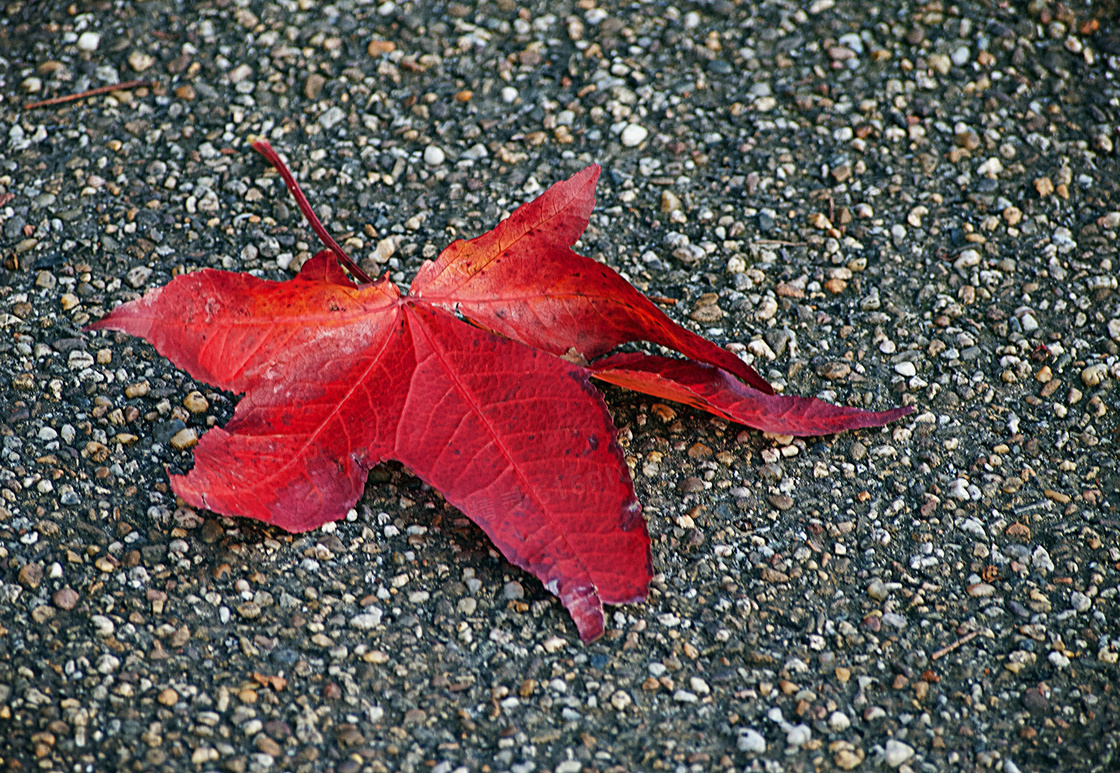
column 366, row 620
column 905, row 368
column 634, row 135
column 89, row 41
column 967, row 259
column 958, row 489
column 433, row 155
column 767, row 308
column 751, row 741
column 798, row 735
column 898, row 753
column 332, row 117
column 102, row 625
column 509, row 95
column 838, row 722
column 1090, row 377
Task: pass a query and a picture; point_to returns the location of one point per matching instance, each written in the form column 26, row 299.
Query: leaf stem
column 262, row 147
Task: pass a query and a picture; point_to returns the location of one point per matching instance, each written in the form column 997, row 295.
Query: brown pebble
column 968, row 139
column 707, row 314
column 836, row 286
column 670, row 202
column 211, row 531
column 266, row 745
column 137, row 390
column 196, row 403
column 168, row 697
column 31, row 575
column 313, row 86
column 773, row 575
column 690, row 485
column 184, row 439
column 786, row 290
column 379, row 47
column 781, row 501
column 835, row 370
column 699, row 451
column 1019, row 531
column 65, row 598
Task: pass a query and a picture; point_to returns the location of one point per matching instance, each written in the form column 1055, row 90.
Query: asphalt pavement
column 876, row 204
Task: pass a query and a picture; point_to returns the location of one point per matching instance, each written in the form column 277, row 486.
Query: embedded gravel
column 873, row 203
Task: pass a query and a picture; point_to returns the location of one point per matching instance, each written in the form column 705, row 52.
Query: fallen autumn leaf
column 338, row 377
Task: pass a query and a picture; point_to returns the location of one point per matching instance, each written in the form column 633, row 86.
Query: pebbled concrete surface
column 875, row 204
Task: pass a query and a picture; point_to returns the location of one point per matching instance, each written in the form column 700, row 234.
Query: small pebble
column 634, row 135
column 366, row 621
column 140, row 60
column 751, row 742
column 65, row 598
column 89, row 41
column 798, row 735
column 898, row 753
column 1093, row 375
column 196, row 403
column 877, row 590
column 906, row 368
column 184, row 439
column 433, row 155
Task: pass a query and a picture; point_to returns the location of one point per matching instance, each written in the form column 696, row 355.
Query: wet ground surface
column 875, row 204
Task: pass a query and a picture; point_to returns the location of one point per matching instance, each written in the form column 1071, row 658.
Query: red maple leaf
column 338, row 377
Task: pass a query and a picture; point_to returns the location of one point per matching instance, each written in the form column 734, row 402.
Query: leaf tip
column 586, row 608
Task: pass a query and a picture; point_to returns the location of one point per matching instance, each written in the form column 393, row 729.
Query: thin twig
column 90, row 93
column 958, row 643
